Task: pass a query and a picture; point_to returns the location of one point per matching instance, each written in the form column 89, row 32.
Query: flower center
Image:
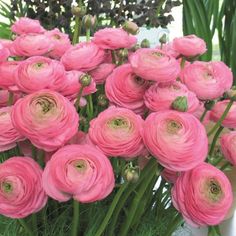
column 7, row 187
column 57, row 36
column 80, row 165
column 173, row 127
column 46, row 105
column 157, row 54
column 38, row 65
column 139, row 81
column 118, row 123
column 214, row 190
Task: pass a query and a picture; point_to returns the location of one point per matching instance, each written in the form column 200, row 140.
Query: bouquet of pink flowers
column 117, row 134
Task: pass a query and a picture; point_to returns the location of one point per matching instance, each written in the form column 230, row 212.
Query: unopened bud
column 130, row 27
column 135, row 48
column 78, row 11
column 89, row 21
column 85, row 80
column 131, row 175
column 232, row 93
column 102, row 100
column 145, row 43
column 209, row 104
column 83, row 120
column 163, row 39
column 123, row 53
column 180, row 104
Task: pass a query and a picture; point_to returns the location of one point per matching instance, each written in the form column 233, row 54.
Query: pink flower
column 4, row 96
column 111, row 38
column 8, row 135
column 26, row 25
column 208, row 80
column 189, row 46
column 83, row 57
column 38, row 73
column 61, row 43
column 154, row 64
column 160, row 96
column 46, row 118
column 7, row 74
column 73, row 85
column 178, row 140
column 217, row 111
column 79, row 171
column 6, row 43
column 203, row 195
column 198, row 113
column 117, row 132
column 4, row 53
column 228, row 146
column 21, row 191
column 169, row 49
column 101, row 73
column 125, row 89
column 169, row 175
column 32, row 45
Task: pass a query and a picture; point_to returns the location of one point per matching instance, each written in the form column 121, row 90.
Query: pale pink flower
column 79, row 171
column 203, row 195
column 228, row 146
column 169, row 49
column 4, row 53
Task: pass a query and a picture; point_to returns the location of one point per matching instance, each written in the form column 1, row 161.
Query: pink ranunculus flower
column 7, row 74
column 38, row 73
column 117, row 132
column 29, row 45
column 125, row 89
column 72, row 85
column 203, row 195
column 169, row 49
column 154, row 64
column 218, row 110
column 26, row 25
column 21, row 191
column 208, row 80
column 9, row 136
column 169, row 175
column 102, row 71
column 83, row 57
column 6, row 43
column 46, row 118
column 79, row 171
column 189, row 46
column 4, row 53
column 160, row 96
column 178, row 140
column 228, row 146
column 61, row 43
column 112, row 38
column 199, row 112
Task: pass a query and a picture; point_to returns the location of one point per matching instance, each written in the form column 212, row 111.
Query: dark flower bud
column 145, row 43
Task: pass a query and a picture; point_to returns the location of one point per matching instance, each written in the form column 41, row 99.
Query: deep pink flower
column 32, row 45
column 4, row 53
column 117, row 132
column 203, row 195
column 217, row 111
column 21, row 191
column 79, row 171
column 208, row 80
column 125, row 89
column 38, row 73
column 178, row 140
column 101, row 73
column 83, row 57
column 61, row 43
column 189, row 46
column 46, row 118
column 26, row 25
column 169, row 175
column 160, row 96
column 8, row 135
column 113, row 38
column 228, row 146
column 154, row 64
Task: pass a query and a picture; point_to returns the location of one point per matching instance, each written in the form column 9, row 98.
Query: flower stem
column 203, row 115
column 34, row 224
column 77, row 102
column 41, row 156
column 219, row 122
column 182, row 63
column 174, row 225
column 26, row 227
column 75, row 222
column 87, row 35
column 215, row 140
column 226, row 165
column 10, row 98
column 76, row 31
column 34, row 152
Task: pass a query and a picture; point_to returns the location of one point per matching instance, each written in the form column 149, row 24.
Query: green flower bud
column 85, row 80
column 130, row 27
column 78, row 11
column 131, row 175
column 102, row 100
column 209, row 104
column 180, row 104
column 232, row 93
column 123, row 53
column 89, row 21
column 145, row 43
column 163, row 39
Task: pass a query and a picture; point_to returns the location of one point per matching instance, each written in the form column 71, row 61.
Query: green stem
column 90, row 106
column 225, row 166
column 41, row 156
column 77, row 102
column 34, row 152
column 87, row 35
column 215, row 140
column 76, row 31
column 203, row 115
column 75, row 221
column 174, row 225
column 214, row 231
column 34, row 224
column 219, row 122
column 10, row 98
column 182, row 63
column 113, row 55
column 26, row 227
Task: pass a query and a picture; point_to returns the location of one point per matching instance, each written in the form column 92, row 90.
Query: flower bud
column 89, row 21
column 85, row 80
column 232, row 93
column 130, row 27
column 145, row 43
column 163, row 39
column 78, row 11
column 123, row 53
column 209, row 104
column 131, row 175
column 102, row 100
column 180, row 104
column 135, row 48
